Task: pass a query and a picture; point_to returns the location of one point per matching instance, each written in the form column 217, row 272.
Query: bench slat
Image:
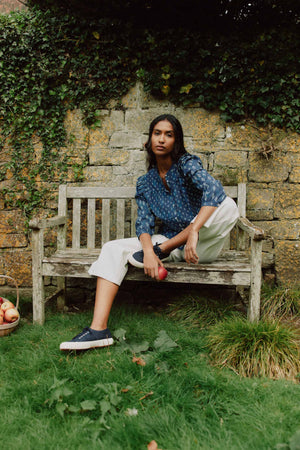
column 120, row 218
column 91, row 223
column 133, row 217
column 100, row 192
column 76, row 223
column 105, row 220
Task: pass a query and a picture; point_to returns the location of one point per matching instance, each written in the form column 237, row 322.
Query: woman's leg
column 106, row 292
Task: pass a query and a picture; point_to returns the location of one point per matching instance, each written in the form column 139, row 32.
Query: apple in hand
column 11, row 315
column 162, row 273
column 7, row 305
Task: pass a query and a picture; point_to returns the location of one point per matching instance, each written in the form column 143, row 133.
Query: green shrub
column 264, row 349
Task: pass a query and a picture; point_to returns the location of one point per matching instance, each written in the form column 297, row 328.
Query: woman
column 195, row 216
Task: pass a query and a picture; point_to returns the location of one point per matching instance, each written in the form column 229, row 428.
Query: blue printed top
column 191, row 187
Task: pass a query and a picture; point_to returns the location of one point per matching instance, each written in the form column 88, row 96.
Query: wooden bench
column 89, row 216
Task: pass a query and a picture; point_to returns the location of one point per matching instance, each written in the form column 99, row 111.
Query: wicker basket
column 9, row 327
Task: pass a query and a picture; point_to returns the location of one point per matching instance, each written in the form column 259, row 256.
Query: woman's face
column 162, row 139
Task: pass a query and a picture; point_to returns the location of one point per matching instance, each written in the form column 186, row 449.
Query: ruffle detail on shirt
column 189, row 164
column 142, row 185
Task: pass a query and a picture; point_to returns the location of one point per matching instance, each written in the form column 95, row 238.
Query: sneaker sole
column 86, row 345
column 135, row 263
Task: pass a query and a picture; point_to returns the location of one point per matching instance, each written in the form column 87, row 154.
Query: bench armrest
column 256, row 233
column 40, row 224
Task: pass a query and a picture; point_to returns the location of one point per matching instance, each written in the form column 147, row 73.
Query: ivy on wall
column 51, row 63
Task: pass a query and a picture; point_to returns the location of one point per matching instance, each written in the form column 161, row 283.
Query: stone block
column 101, row 135
column 231, row 159
column 12, row 240
column 290, row 142
column 17, row 264
column 138, row 121
column 107, row 157
column 200, row 125
column 281, row 229
column 276, row 168
column 132, row 98
column 77, row 132
column 230, row 176
column 259, row 203
column 287, row 262
column 295, row 175
column 259, row 198
column 102, row 175
column 286, row 202
column 122, row 139
column 12, row 222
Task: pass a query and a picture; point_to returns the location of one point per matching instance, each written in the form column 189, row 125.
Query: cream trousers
column 112, row 263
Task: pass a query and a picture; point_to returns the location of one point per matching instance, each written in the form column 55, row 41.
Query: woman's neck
column 163, row 165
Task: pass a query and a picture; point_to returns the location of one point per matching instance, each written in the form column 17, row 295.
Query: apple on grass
column 162, row 273
column 7, row 305
column 11, row 315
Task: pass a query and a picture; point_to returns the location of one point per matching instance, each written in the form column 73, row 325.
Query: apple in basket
column 7, row 305
column 1, row 300
column 11, row 315
column 1, row 317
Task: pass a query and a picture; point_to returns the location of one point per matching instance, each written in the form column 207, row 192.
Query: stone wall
column 268, row 163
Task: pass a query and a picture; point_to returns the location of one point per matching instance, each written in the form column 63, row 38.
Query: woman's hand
column 190, row 254
column 151, row 264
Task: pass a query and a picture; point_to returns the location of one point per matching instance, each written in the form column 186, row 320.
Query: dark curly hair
column 179, row 148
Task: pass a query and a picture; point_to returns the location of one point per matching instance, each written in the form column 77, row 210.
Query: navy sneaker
column 87, row 339
column 137, row 258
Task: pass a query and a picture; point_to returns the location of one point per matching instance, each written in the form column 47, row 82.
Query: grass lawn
column 102, row 399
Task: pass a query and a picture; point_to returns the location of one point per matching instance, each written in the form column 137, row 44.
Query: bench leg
column 38, row 292
column 61, row 299
column 255, row 287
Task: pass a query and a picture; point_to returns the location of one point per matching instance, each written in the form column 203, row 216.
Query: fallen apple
column 162, row 273
column 11, row 315
column 7, row 305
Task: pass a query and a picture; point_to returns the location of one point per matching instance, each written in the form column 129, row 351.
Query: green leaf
column 139, row 347
column 61, row 408
column 88, row 405
column 163, row 343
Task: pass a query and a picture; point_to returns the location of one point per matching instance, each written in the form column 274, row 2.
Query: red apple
column 1, row 317
column 1, row 300
column 11, row 315
column 162, row 273
column 7, row 305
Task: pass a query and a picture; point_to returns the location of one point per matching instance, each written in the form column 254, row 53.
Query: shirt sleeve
column 145, row 222
column 212, row 190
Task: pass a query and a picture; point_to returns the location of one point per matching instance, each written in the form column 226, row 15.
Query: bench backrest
column 98, row 214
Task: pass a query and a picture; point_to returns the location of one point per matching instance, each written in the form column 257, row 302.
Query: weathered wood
column 253, row 231
column 40, row 224
column 99, row 192
column 232, row 268
column 76, row 223
column 91, row 220
column 38, row 294
column 105, row 220
column 255, row 284
column 120, row 218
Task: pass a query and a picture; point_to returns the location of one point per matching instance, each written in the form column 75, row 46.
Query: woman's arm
column 190, row 254
column 151, row 261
